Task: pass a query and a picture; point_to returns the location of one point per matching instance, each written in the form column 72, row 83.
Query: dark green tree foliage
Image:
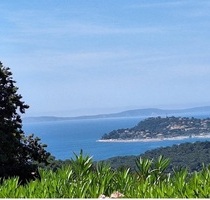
column 191, row 156
column 16, row 150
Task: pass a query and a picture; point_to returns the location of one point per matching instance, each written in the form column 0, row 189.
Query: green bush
column 83, row 179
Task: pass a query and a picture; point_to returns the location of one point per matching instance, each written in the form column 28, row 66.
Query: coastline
column 154, row 139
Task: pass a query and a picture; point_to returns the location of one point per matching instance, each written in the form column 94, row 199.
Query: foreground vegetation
column 83, row 179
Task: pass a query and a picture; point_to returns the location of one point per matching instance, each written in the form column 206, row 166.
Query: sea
column 66, row 138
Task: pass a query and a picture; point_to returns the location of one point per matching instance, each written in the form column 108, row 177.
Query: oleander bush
column 83, row 179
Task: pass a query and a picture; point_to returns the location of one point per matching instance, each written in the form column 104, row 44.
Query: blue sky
column 78, row 57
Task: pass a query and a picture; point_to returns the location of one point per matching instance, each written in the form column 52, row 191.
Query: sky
column 84, row 57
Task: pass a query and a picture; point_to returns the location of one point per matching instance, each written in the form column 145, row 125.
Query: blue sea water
column 64, row 138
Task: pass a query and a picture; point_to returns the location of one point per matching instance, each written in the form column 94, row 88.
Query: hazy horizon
column 82, row 113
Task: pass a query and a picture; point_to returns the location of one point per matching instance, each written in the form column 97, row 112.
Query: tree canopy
column 16, row 149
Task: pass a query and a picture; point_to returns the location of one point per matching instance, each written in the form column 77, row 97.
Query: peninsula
column 158, row 128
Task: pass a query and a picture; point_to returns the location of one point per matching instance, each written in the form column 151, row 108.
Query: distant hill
column 149, row 112
column 152, row 112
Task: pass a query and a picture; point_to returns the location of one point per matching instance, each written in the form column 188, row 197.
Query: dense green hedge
column 82, row 179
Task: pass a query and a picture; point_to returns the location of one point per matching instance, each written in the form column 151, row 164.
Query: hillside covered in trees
column 186, row 155
column 162, row 128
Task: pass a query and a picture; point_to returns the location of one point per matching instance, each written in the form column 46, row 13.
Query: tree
column 18, row 152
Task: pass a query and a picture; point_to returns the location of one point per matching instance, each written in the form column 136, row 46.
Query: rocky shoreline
column 153, row 139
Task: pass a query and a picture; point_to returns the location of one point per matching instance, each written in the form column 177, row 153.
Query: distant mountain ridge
column 148, row 112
